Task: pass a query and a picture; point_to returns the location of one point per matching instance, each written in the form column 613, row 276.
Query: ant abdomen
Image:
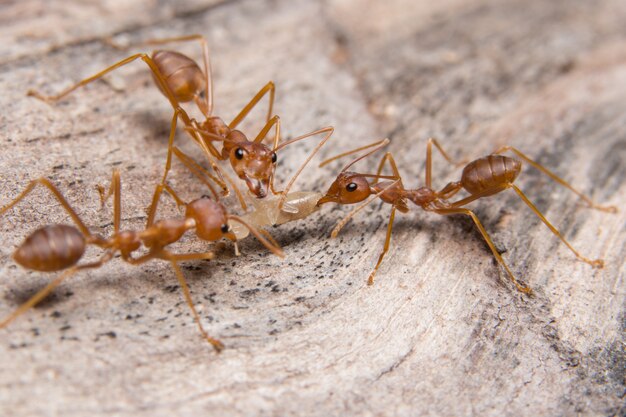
column 490, row 173
column 183, row 76
column 51, row 248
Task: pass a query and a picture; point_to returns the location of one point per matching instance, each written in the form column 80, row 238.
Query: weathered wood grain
column 442, row 332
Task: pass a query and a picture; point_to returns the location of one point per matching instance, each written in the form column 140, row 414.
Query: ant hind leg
column 44, row 292
column 217, row 345
column 483, row 232
column 546, row 171
column 596, row 263
column 57, row 194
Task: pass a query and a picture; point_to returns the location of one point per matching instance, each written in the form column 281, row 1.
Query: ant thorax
column 216, row 126
column 164, row 232
column 422, row 196
column 392, row 192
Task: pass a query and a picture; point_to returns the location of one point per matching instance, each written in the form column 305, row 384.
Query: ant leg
column 483, row 232
column 211, row 152
column 57, row 194
column 173, row 258
column 268, row 126
column 152, row 209
column 429, row 159
column 370, row 280
column 182, row 257
column 269, row 237
column 200, row 173
column 115, row 190
column 451, row 189
column 44, row 292
column 217, row 345
column 269, row 87
column 272, row 246
column 328, row 132
column 162, row 83
column 171, row 147
column 86, row 81
column 170, row 191
column 596, row 263
column 158, row 191
column 376, row 145
column 204, row 139
column 387, row 158
column 589, row 201
column 360, row 207
column 197, row 170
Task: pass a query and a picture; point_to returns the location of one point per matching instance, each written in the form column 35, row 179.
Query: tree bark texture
column 442, row 331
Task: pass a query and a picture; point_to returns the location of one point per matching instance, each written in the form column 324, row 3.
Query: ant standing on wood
column 182, row 80
column 480, row 178
column 59, row 247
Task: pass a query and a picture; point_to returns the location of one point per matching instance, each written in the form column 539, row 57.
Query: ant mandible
column 481, row 178
column 182, row 80
column 59, row 247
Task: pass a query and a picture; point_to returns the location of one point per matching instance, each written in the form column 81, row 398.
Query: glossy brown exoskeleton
column 182, row 80
column 480, row 178
column 60, row 247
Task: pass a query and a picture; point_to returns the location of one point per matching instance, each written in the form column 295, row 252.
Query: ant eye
column 274, row 157
column 239, row 153
column 351, row 187
column 225, row 228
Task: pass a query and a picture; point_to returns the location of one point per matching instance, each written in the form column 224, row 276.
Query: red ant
column 480, row 178
column 59, row 247
column 182, row 80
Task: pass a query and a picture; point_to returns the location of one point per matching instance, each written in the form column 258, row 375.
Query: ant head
column 348, row 188
column 211, row 219
column 255, row 163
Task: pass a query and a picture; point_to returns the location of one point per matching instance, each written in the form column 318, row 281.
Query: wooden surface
column 442, row 332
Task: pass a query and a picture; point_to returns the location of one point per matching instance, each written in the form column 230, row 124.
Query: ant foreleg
column 201, row 173
column 376, row 146
column 274, row 121
column 270, row 243
column 388, row 157
column 589, row 201
column 197, row 170
column 370, row 280
column 269, row 87
column 360, row 207
column 171, row 149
